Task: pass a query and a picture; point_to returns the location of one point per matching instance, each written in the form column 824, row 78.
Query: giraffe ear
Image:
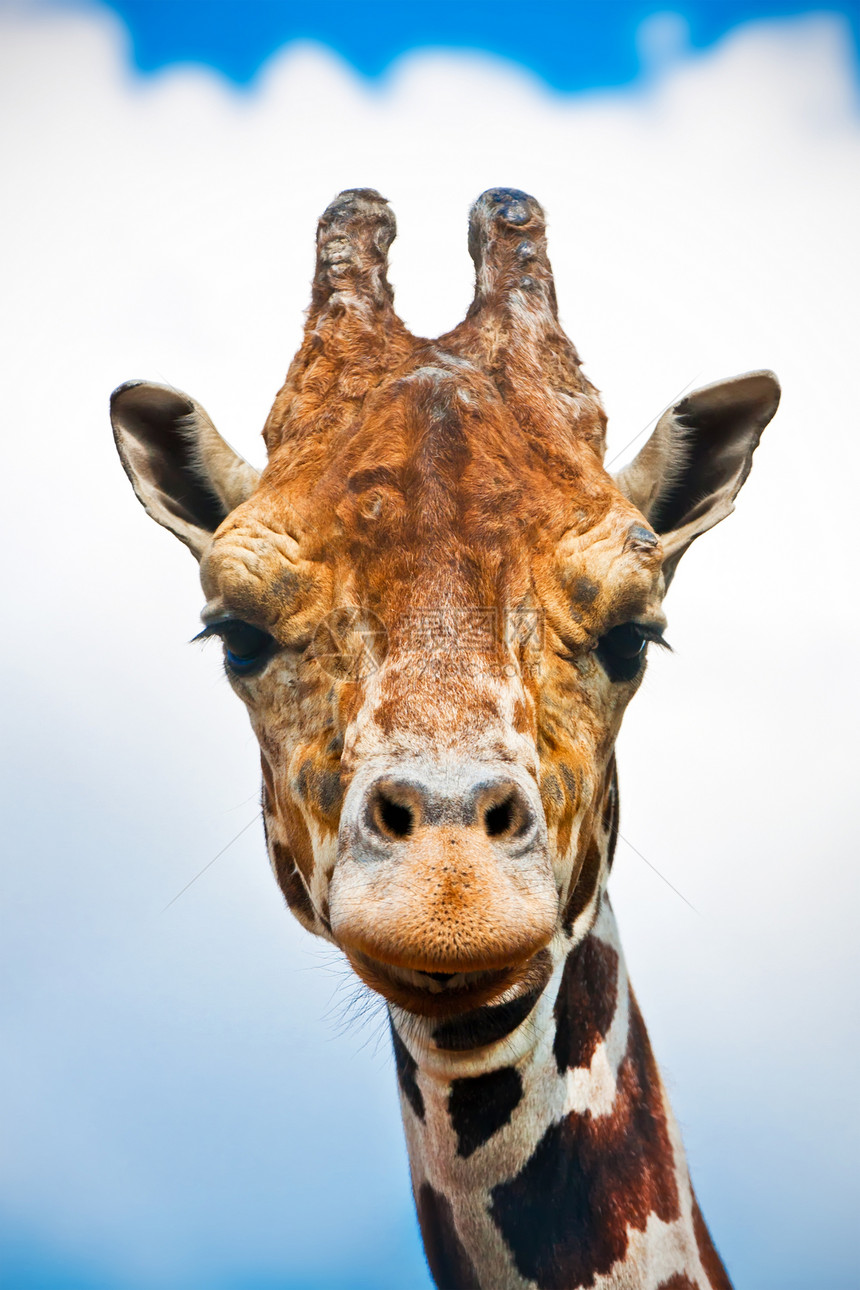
column 185, row 475
column 687, row 476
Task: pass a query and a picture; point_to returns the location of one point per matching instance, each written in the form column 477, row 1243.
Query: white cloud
column 179, row 1103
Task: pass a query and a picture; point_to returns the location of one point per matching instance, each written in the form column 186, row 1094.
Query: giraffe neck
column 551, row 1158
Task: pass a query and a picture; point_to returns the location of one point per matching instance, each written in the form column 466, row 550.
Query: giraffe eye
column 246, row 648
column 622, row 650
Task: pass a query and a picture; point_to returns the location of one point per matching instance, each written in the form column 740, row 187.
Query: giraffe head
column 436, row 603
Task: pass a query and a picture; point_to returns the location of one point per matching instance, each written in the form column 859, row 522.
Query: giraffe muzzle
column 443, row 869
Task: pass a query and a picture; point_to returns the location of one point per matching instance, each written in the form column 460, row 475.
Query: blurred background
column 194, row 1096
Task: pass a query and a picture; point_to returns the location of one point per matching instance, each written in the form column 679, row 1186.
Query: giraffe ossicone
column 436, row 604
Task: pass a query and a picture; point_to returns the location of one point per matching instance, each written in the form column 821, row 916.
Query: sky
column 194, row 1096
column 572, row 44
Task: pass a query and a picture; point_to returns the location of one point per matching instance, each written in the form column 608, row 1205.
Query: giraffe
column 436, row 604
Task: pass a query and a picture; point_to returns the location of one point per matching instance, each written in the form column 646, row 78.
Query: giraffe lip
column 433, row 994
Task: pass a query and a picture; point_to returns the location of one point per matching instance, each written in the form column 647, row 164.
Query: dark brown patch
column 327, row 792
column 612, row 815
column 565, row 1216
column 290, row 882
column 480, row 1106
column 287, row 588
column 324, row 913
column 450, row 1265
column 300, row 843
column 711, row 1261
column 584, row 590
column 407, row 1068
column 322, row 789
column 302, row 780
column 680, row 1281
column 569, row 777
column 586, row 1003
column 585, row 885
column 268, row 783
column 610, row 800
column 485, row 1025
column 550, row 788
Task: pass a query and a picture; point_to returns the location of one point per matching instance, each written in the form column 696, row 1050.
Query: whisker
column 353, row 1005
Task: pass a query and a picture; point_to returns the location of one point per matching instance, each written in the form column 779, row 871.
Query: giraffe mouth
column 437, row 994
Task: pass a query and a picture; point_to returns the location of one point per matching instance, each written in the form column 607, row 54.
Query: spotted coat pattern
column 550, row 1157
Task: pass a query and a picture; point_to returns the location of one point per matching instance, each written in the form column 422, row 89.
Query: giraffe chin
column 424, row 995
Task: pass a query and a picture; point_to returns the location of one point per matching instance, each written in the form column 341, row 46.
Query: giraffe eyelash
column 247, row 648
column 210, row 630
column 652, row 633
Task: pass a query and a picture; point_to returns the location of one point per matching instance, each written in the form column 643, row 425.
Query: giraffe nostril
column 493, row 812
column 499, row 818
column 395, row 819
column 507, row 818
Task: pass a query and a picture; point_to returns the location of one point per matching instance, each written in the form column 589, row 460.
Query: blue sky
column 188, row 1101
column 573, row 44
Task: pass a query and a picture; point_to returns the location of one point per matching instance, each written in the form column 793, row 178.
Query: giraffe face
column 435, row 604
column 436, row 690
